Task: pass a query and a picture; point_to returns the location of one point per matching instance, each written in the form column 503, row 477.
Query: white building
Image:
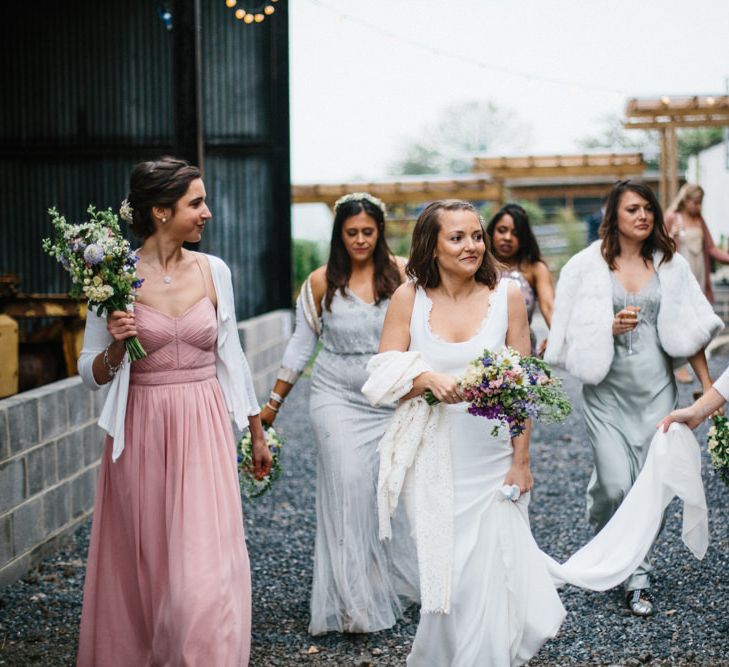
column 710, row 169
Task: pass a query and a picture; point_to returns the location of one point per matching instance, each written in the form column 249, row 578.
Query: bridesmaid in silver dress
column 633, row 285
column 359, row 584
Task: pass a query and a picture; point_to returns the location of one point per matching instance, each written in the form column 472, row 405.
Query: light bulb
column 259, row 18
column 248, row 18
column 231, row 3
column 269, row 9
column 240, row 13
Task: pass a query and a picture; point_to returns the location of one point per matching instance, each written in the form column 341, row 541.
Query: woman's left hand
column 520, row 475
column 262, row 458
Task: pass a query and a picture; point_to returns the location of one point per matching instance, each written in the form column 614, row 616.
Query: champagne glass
column 631, row 299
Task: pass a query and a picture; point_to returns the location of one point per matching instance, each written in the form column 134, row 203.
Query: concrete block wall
column 50, row 447
column 264, row 341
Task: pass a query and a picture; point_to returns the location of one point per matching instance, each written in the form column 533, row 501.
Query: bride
column 489, row 595
column 454, row 308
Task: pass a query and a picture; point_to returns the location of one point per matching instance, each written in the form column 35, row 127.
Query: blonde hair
column 687, row 191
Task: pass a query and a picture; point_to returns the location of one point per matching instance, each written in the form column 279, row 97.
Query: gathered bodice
column 453, row 358
column 352, row 326
column 527, row 291
column 649, row 301
column 179, row 349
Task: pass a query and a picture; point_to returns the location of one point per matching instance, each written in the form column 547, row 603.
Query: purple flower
column 93, row 254
column 137, row 283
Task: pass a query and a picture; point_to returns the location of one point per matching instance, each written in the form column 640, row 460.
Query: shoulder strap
column 308, row 306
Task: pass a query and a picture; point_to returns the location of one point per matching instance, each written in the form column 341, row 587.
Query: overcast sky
column 361, row 84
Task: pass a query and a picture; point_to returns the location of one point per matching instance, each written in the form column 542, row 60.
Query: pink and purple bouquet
column 511, row 388
column 101, row 263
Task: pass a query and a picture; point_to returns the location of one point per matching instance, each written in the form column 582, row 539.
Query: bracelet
column 271, row 407
column 111, row 370
column 273, row 396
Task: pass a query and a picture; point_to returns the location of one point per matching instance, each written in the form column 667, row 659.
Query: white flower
column 126, row 212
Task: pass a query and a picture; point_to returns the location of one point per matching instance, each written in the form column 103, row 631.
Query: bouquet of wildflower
column 101, row 264
column 504, row 385
column 249, row 485
column 718, row 445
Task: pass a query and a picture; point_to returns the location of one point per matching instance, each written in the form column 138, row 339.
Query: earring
column 164, row 219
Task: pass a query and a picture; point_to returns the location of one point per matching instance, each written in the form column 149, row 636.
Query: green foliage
column 572, row 230
column 308, row 255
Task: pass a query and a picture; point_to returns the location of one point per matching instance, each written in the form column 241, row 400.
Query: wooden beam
column 672, row 165
column 663, row 192
column 715, row 120
column 186, row 81
column 403, row 192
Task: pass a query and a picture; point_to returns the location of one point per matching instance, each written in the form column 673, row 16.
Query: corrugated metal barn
column 90, row 88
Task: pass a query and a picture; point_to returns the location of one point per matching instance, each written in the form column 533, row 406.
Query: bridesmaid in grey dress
column 359, row 584
column 621, row 411
column 654, row 305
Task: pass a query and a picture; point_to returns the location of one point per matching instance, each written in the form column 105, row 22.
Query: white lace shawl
column 415, row 452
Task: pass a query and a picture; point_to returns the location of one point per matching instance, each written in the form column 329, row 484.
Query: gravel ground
column 39, row 615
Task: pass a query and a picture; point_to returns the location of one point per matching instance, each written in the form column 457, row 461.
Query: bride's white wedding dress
column 499, row 597
column 503, row 602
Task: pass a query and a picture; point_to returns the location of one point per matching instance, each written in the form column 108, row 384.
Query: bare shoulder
column 404, row 296
column 318, row 280
column 541, row 270
column 515, row 299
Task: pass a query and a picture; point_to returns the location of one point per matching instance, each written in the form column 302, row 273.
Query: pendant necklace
column 166, row 277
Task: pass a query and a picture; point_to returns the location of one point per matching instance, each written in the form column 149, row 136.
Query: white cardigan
column 230, row 363
column 581, row 339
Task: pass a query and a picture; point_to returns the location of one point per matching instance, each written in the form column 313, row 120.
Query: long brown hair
column 422, row 266
column 339, row 265
column 658, row 239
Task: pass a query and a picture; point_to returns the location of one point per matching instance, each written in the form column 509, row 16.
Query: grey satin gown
column 360, row 584
column 622, row 411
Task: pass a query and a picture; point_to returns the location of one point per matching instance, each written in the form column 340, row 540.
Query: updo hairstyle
column 160, row 183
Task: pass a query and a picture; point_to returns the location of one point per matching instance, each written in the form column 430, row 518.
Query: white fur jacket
column 581, row 339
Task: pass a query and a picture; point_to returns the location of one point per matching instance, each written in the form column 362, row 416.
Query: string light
column 257, row 14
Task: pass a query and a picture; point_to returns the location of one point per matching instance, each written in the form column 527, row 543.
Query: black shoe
column 639, row 602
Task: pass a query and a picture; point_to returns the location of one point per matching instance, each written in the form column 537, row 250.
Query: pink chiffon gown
column 168, row 578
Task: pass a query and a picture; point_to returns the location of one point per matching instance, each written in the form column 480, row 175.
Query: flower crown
column 126, row 212
column 359, row 196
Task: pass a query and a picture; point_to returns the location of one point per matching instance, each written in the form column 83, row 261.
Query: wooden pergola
column 666, row 114
column 614, row 165
column 494, row 179
column 404, row 191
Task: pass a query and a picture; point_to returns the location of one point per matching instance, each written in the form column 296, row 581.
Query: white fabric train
column 414, row 442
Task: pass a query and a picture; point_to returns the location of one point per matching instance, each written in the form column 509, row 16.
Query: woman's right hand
column 444, row 387
column 268, row 416
column 121, row 325
column 626, row 320
column 691, row 416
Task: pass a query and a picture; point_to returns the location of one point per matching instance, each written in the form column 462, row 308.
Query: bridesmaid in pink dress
column 168, row 578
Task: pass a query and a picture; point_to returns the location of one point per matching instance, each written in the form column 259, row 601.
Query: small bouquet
column 249, row 485
column 504, row 385
column 101, row 263
column 718, row 446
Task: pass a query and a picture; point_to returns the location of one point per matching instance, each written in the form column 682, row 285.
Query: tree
column 462, row 131
column 615, row 137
